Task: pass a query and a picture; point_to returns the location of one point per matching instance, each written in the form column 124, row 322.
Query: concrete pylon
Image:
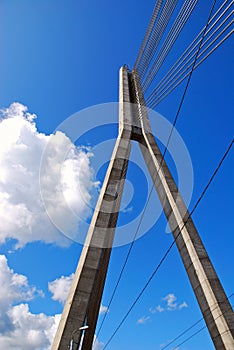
column 83, row 302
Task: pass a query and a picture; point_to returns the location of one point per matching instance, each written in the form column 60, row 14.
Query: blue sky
column 59, row 57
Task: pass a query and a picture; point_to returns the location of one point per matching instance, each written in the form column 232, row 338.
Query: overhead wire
column 152, row 188
column 197, row 332
column 190, row 327
column 172, row 36
column 170, row 247
column 172, row 76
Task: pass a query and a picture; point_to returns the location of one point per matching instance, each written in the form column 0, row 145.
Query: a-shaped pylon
column 84, row 299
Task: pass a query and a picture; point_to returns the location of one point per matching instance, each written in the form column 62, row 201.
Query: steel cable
column 158, row 96
column 175, row 70
column 194, row 334
column 177, row 27
column 156, row 36
column 153, row 19
column 197, row 65
column 186, row 53
column 189, row 328
column 162, row 17
column 158, row 90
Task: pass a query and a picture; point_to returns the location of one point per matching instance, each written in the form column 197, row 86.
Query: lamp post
column 72, row 343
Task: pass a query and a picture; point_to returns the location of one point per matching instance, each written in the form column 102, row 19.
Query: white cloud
column 14, row 288
column 159, row 308
column 103, row 309
column 19, row 328
column 171, row 304
column 65, row 184
column 182, row 306
column 143, row 320
column 97, row 345
column 171, row 301
column 156, row 309
column 29, row 331
column 60, row 288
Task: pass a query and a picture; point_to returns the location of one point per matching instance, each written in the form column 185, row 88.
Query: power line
column 171, row 245
column 197, row 332
column 189, row 328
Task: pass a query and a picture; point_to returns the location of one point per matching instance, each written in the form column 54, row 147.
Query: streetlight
column 72, row 342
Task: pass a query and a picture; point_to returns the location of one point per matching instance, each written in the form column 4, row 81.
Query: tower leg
column 209, row 292
column 82, row 304
column 213, row 302
column 95, row 302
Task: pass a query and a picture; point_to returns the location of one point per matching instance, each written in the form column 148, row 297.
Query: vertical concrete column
column 83, row 302
column 209, row 292
column 125, row 108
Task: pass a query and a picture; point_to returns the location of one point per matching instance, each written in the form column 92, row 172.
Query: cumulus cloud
column 170, row 304
column 19, row 328
column 29, row 331
column 14, row 288
column 32, row 164
column 143, row 320
column 60, row 288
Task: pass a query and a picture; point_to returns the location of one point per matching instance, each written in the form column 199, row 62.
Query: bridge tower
column 84, row 299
